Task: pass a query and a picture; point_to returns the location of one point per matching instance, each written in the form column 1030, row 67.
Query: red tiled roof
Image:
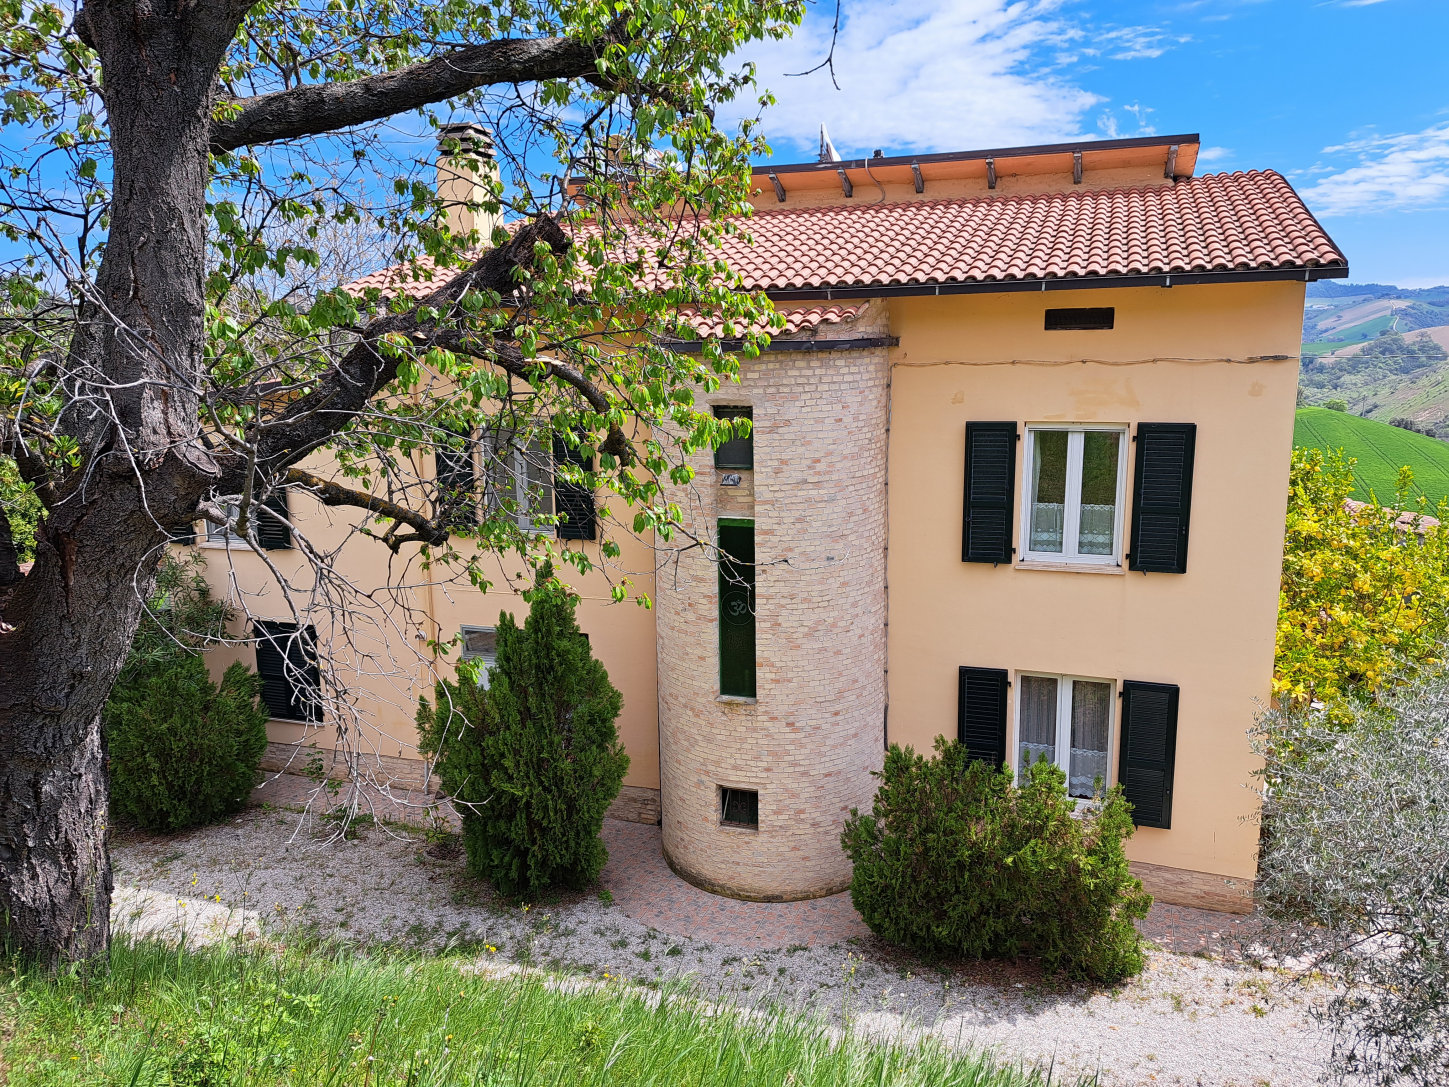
column 1216, row 223
column 797, row 320
column 1220, row 222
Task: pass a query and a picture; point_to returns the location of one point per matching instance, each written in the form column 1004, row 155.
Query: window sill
column 737, row 699
column 1070, row 567
column 224, row 545
column 739, row 828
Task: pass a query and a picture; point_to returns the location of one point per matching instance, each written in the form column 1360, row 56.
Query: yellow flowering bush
column 1365, row 592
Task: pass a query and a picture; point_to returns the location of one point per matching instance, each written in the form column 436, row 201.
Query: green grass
column 1380, row 451
column 162, row 1017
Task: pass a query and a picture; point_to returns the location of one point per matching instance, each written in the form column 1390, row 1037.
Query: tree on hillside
column 167, row 353
column 1365, row 590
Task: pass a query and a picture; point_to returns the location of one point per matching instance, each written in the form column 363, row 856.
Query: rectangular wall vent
column 1064, row 320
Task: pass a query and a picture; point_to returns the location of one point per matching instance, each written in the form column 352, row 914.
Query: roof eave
column 1060, row 283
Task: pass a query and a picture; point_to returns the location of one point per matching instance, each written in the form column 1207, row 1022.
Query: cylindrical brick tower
column 798, row 755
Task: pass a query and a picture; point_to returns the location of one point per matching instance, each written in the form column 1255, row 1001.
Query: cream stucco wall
column 1210, row 630
column 384, row 659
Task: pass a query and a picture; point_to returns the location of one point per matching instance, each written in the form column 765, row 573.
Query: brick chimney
column 465, row 178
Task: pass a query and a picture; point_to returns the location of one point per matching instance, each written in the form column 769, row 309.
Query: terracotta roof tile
column 1214, row 223
column 798, row 319
column 1220, row 222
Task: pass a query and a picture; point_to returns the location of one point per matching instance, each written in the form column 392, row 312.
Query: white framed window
column 481, row 644
column 1076, row 483
column 1069, row 721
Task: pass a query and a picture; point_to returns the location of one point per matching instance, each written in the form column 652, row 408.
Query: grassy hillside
column 1381, row 450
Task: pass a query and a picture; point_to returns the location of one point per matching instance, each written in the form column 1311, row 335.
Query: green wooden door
column 737, row 608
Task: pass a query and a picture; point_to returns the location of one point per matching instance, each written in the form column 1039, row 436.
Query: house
column 1017, row 476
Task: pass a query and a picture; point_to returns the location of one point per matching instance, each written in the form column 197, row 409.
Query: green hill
column 1380, row 450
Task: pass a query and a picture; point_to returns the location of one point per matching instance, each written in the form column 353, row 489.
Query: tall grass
column 218, row 1017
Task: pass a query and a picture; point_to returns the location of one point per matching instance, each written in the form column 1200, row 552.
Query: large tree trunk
column 136, row 353
column 76, row 620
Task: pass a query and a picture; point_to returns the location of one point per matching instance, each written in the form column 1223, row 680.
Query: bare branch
column 426, row 530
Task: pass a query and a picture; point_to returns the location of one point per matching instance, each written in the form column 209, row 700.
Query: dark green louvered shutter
column 182, row 534
column 273, row 530
column 1162, row 497
column 573, row 502
column 457, row 480
column 1148, row 750
column 287, row 664
column 737, row 608
column 981, row 713
column 990, row 490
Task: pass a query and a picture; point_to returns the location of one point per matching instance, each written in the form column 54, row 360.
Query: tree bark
column 134, row 362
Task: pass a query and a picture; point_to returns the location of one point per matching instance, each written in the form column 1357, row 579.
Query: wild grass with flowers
column 159, row 1016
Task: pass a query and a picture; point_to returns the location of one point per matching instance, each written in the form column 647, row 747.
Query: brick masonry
column 809, row 741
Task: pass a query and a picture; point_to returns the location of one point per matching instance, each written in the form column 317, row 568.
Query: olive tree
column 1355, row 870
column 169, row 353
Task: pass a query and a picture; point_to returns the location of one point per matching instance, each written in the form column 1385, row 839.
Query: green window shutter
column 981, row 713
column 574, row 502
column 291, row 677
column 1148, row 750
column 274, row 532
column 737, row 452
column 990, row 492
column 457, row 481
column 182, row 534
column 1162, row 497
column 737, row 608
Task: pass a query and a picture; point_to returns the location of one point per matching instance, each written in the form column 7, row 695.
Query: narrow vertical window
column 737, row 608
column 1073, row 507
column 737, row 452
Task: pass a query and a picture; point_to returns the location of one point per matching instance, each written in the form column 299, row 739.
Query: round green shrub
column 183, row 750
column 533, row 760
column 955, row 860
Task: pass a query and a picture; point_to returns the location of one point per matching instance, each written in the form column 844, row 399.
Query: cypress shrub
column 532, row 760
column 183, row 750
column 955, row 859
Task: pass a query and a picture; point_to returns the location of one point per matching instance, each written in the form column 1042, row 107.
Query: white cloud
column 1214, row 154
column 1404, row 172
column 1134, row 42
column 939, row 75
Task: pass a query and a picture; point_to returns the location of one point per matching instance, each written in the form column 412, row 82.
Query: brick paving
column 647, row 891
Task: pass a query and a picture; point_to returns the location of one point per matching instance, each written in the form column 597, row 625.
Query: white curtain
column 1037, row 735
column 1091, row 720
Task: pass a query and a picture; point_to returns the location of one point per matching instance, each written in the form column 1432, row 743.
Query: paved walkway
column 647, row 890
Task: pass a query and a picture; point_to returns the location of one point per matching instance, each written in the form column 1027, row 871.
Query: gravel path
column 1189, row 1019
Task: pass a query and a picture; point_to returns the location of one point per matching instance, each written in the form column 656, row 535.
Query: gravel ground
column 1186, row 1020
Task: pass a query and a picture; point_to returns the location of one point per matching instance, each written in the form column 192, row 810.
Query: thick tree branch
column 508, row 357
column 312, row 420
column 426, row 530
column 320, row 108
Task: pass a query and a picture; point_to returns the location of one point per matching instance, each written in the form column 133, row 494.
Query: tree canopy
column 176, row 182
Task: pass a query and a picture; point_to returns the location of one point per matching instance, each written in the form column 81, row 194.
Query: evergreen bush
column 531, row 760
column 956, row 859
column 183, row 750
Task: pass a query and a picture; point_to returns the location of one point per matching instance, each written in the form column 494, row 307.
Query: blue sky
column 1348, row 98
